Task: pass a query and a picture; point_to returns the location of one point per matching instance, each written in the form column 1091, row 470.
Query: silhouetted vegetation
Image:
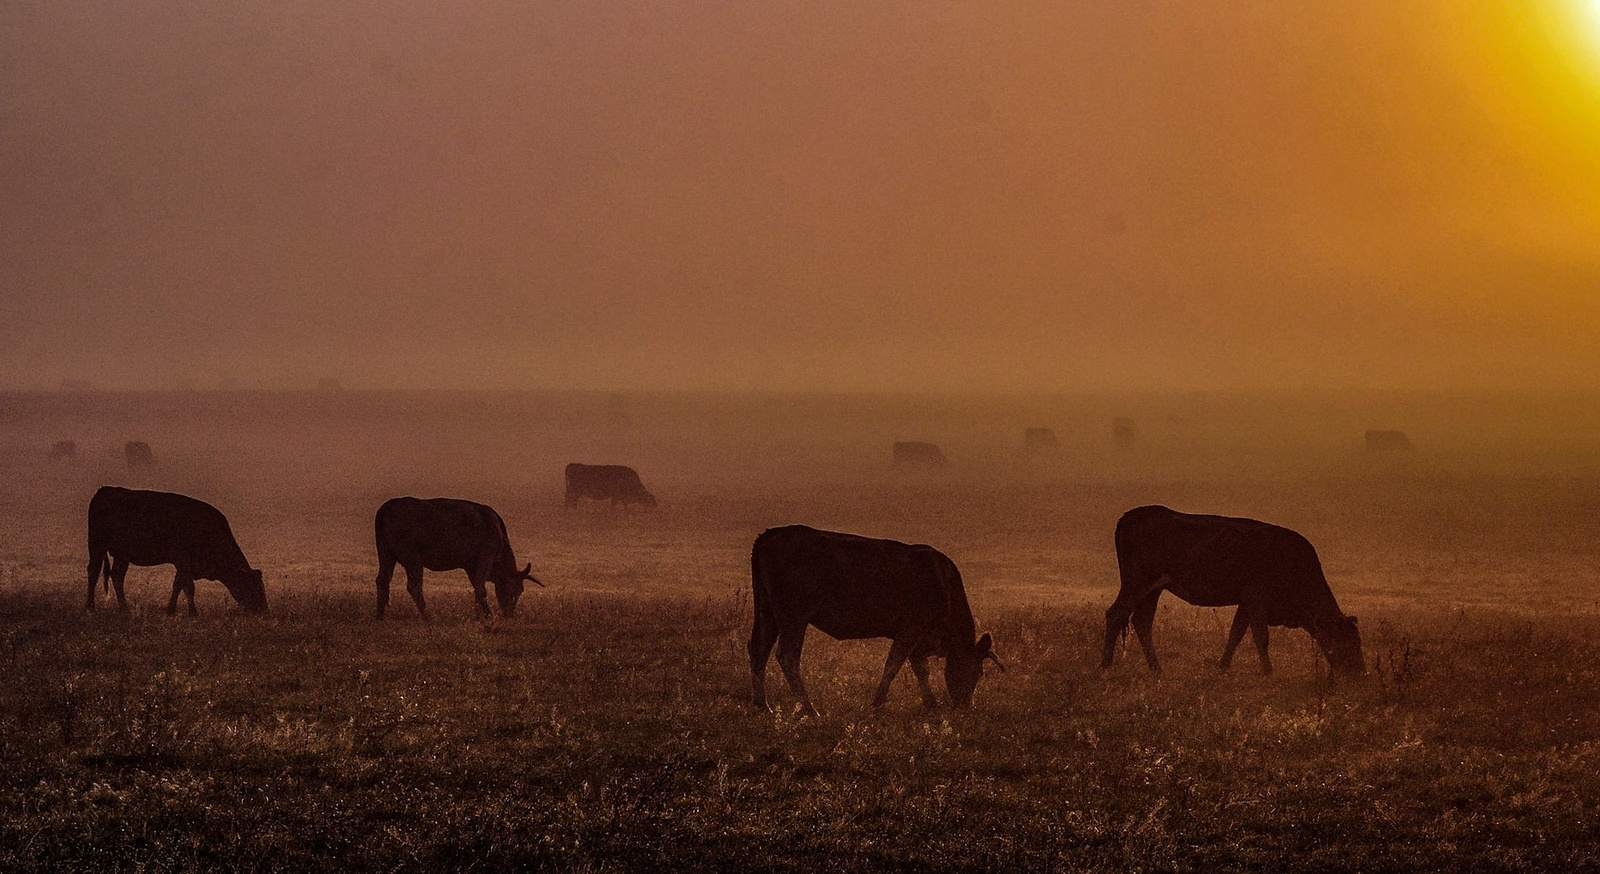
column 610, row 733
column 608, row 726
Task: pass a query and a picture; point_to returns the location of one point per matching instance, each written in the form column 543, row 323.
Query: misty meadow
column 607, row 726
column 448, row 408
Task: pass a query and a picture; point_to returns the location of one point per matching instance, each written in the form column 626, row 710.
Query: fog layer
column 893, row 195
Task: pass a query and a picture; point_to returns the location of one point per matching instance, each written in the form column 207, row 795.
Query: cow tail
column 759, row 586
column 102, row 571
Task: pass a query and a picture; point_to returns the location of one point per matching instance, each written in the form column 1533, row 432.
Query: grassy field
column 606, row 727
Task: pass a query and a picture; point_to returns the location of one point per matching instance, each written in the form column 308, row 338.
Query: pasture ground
column 607, row 726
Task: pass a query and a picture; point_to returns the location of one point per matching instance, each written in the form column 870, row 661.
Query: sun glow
column 1573, row 30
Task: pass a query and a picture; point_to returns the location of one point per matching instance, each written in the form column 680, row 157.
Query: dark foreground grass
column 609, row 734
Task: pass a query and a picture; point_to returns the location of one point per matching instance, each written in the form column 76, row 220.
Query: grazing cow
column 1040, row 441
column 131, row 526
column 138, row 454
column 1387, row 441
column 616, row 483
column 1272, row 573
column 444, row 534
column 64, row 450
column 916, row 454
column 853, row 588
column 1123, row 431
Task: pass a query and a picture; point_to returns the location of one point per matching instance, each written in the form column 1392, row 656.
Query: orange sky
column 892, row 195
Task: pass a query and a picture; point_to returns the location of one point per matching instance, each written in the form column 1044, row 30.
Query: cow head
column 508, row 590
column 648, row 499
column 1340, row 639
column 962, row 670
column 246, row 588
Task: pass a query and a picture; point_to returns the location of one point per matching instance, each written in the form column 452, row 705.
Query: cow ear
column 981, row 648
column 528, row 571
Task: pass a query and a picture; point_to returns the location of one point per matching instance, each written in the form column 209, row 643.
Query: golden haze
column 902, row 195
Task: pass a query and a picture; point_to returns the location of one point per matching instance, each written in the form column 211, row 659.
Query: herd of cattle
column 847, row 586
column 135, row 452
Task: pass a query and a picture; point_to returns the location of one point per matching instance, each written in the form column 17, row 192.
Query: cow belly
column 1203, row 593
column 844, row 627
column 140, row 558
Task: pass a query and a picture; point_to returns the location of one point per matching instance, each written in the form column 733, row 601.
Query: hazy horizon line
column 665, row 391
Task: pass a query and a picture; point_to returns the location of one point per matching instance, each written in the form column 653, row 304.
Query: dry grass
column 607, row 727
column 604, row 733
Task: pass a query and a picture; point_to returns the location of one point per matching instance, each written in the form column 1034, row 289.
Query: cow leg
column 96, row 563
column 1117, row 616
column 385, row 575
column 1258, row 628
column 763, row 634
column 1134, row 591
column 919, row 666
column 119, row 570
column 188, row 589
column 1241, row 624
column 899, row 650
column 414, row 586
column 480, row 594
column 479, row 577
column 791, row 641
column 177, row 589
column 1144, row 618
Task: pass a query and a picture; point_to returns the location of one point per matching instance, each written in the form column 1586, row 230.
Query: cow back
column 606, row 482
column 853, row 587
column 150, row 528
column 441, row 534
column 1217, row 561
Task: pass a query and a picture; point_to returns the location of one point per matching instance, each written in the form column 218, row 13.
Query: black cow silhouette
column 852, row 588
column 1271, row 572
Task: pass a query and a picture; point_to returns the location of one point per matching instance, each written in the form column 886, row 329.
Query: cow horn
column 997, row 663
column 530, row 577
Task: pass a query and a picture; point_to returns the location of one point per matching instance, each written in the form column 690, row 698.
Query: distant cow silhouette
column 137, row 453
column 852, row 588
column 64, row 450
column 130, row 526
column 917, row 454
column 445, row 534
column 1123, row 431
column 1387, row 441
column 616, row 483
column 1272, row 573
column 1040, row 441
